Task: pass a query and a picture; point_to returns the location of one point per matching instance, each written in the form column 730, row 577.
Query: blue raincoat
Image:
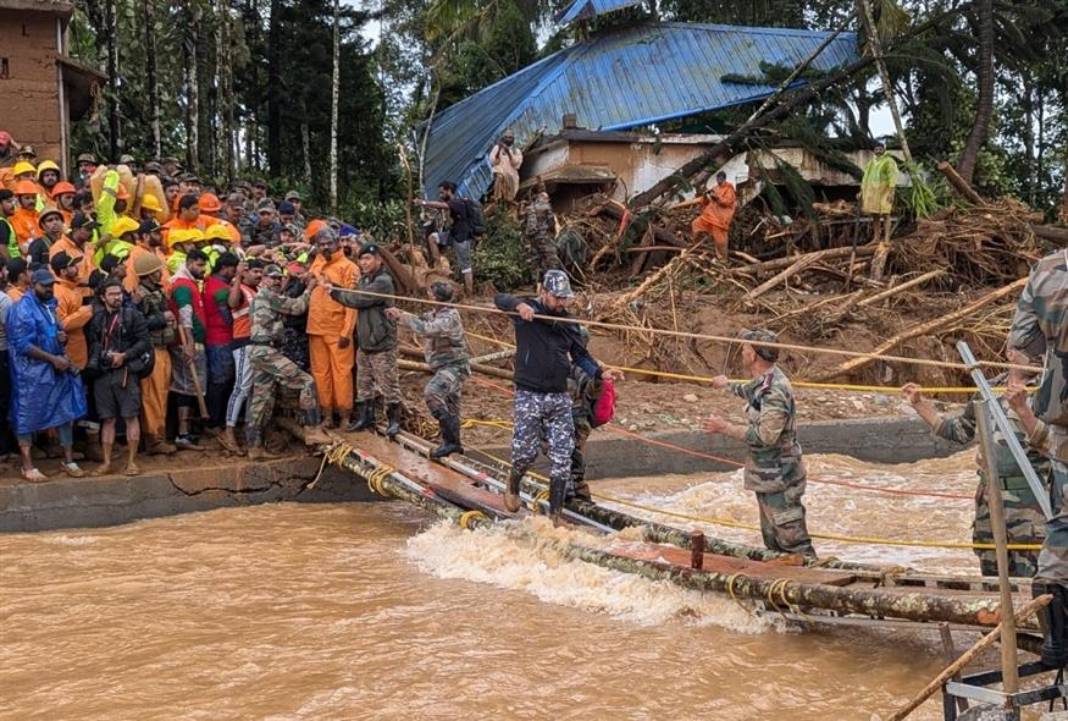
column 41, row 397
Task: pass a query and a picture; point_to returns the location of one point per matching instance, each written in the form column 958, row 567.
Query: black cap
column 6, row 194
column 61, row 261
column 369, row 249
column 82, row 220
column 148, row 226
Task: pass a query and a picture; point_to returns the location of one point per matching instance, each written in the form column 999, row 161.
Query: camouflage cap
column 273, row 270
column 759, row 335
column 557, row 284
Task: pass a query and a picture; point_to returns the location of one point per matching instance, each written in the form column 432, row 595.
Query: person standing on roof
column 545, row 350
column 461, row 234
column 505, row 159
column 718, row 205
column 330, row 328
column 775, row 470
column 46, row 393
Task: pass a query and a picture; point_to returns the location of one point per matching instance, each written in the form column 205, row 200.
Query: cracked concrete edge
column 111, row 500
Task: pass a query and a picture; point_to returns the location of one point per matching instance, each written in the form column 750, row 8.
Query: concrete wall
column 90, row 502
column 30, row 91
column 891, row 440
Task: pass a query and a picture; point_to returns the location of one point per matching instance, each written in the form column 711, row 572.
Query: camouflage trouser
column 543, row 416
column 782, row 521
column 578, row 457
column 543, row 257
column 377, row 369
column 442, row 393
column 1053, row 558
column 271, row 369
column 1024, row 523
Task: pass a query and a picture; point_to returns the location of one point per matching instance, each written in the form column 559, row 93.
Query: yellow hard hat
column 124, row 225
column 150, row 203
column 22, row 167
column 47, row 165
column 217, row 231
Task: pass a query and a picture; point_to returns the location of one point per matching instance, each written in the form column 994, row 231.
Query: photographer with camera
column 120, row 355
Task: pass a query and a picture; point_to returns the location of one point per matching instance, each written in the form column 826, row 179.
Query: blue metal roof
column 586, row 9
column 642, row 75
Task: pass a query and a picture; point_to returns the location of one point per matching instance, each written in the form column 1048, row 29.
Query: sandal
column 33, row 475
column 73, row 470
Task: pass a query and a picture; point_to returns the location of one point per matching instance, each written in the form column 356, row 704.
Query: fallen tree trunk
column 819, row 255
column 924, row 329
column 659, row 234
column 478, row 367
column 800, row 264
column 890, row 292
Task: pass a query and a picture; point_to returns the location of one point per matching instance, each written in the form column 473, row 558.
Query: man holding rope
column 775, row 470
column 545, row 349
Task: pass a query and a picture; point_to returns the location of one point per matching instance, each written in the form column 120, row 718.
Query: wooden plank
column 454, row 487
column 714, row 563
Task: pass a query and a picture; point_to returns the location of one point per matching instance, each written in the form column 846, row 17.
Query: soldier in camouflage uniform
column 1040, row 330
column 270, row 368
column 775, row 470
column 1024, row 522
column 445, row 349
column 539, row 232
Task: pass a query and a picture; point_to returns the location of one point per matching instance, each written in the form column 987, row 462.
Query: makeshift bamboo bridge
column 468, row 493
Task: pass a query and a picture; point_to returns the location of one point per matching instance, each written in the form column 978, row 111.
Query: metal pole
column 1001, row 423
column 1009, row 660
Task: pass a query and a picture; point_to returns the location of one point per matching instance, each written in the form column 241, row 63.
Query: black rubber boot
column 581, row 489
column 365, row 417
column 557, row 495
column 450, row 437
column 1054, row 646
column 511, row 495
column 393, row 416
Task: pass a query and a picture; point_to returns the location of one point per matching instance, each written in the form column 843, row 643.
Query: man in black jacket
column 544, row 352
column 120, row 349
column 376, row 341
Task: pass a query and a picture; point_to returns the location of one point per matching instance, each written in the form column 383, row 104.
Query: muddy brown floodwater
column 371, row 611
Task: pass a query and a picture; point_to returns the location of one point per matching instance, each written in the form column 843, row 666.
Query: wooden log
column 615, row 212
column 478, row 367
column 949, row 651
column 959, row 665
column 959, row 184
column 498, row 355
column 800, row 264
column 890, row 292
column 655, row 249
column 924, row 329
column 638, row 262
column 821, row 255
column 398, row 271
column 654, row 278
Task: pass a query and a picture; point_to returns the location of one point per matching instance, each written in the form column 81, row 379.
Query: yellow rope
column 535, row 503
column 729, row 523
column 849, row 387
column 687, row 334
column 469, row 517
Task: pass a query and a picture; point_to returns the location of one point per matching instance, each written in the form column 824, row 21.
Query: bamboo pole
column 478, row 367
column 779, row 263
column 924, row 329
column 957, row 666
column 1009, row 660
column 800, row 264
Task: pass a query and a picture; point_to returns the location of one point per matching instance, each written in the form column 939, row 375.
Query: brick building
column 44, row 91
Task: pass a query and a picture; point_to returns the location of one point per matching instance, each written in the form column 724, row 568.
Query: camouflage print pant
column 782, row 521
column 543, row 416
column 271, row 369
column 1053, row 558
column 1024, row 523
column 377, row 370
column 442, row 393
column 543, row 256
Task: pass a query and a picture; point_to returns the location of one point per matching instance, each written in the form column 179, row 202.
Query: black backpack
column 476, row 222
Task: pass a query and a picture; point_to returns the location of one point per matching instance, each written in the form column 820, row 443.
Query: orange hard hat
column 121, row 193
column 313, row 227
column 26, row 187
column 209, row 203
column 63, row 187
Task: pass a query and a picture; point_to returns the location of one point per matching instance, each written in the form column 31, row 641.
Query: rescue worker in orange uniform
column 63, row 196
column 330, row 327
column 24, row 220
column 77, row 245
column 72, row 310
column 149, row 243
column 719, row 204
